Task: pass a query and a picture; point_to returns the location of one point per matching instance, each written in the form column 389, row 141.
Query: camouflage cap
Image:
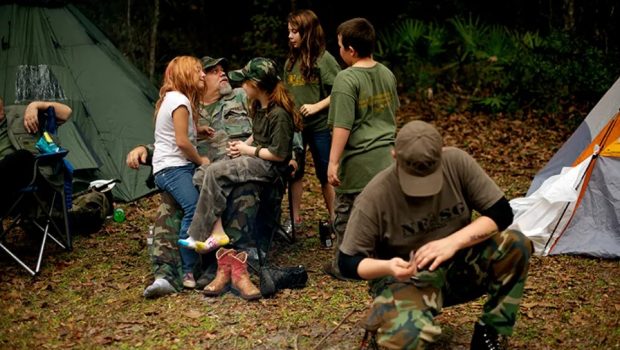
column 261, row 70
column 210, row 62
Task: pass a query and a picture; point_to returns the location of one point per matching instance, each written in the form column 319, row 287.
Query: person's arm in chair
column 31, row 115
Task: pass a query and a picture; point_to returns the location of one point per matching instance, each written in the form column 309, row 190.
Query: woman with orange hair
column 175, row 157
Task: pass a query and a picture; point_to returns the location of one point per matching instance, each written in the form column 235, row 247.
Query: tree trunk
column 569, row 15
column 130, row 49
column 153, row 40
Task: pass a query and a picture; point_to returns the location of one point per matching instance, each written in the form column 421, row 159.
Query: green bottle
column 119, row 215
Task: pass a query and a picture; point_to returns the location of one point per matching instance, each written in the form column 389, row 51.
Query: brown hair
column 180, row 75
column 281, row 97
column 312, row 42
column 359, row 34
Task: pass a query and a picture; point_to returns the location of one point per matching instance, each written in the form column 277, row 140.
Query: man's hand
column 205, row 161
column 332, row 174
column 435, row 253
column 205, row 131
column 136, row 156
column 402, row 270
column 31, row 118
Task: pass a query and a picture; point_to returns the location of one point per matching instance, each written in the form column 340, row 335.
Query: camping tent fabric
column 57, row 54
column 589, row 225
column 598, row 117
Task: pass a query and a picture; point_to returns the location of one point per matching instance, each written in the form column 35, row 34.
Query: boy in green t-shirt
column 362, row 112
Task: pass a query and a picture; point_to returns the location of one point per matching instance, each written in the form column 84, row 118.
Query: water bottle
column 119, row 215
column 325, row 234
column 149, row 239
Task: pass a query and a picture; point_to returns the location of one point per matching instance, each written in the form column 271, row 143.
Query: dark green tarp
column 55, row 53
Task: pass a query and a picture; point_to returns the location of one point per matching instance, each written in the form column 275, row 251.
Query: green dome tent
column 54, row 53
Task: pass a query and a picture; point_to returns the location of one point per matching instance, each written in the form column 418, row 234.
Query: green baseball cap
column 261, row 70
column 210, row 62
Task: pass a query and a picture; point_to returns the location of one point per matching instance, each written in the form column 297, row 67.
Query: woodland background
column 508, row 82
column 515, row 57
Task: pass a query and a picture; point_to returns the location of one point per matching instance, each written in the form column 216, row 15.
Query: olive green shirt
column 228, row 116
column 364, row 101
column 386, row 223
column 273, row 129
column 310, row 92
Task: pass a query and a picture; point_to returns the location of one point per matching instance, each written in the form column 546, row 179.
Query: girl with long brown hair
column 309, row 73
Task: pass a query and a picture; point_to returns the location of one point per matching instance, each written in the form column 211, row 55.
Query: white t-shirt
column 167, row 153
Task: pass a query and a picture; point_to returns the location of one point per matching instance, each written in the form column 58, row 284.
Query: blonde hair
column 180, row 75
column 281, row 97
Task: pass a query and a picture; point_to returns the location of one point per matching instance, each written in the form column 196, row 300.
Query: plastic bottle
column 149, row 239
column 119, row 215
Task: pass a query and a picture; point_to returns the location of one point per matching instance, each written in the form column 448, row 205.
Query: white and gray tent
column 573, row 204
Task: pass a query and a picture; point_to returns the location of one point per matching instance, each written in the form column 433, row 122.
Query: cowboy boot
column 222, row 276
column 241, row 278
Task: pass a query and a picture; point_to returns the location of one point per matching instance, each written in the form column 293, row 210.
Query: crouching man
column 412, row 236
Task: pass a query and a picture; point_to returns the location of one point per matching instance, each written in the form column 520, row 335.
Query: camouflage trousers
column 402, row 313
column 220, row 179
column 239, row 221
column 342, row 210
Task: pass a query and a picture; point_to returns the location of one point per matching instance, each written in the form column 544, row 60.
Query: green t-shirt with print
column 310, row 92
column 364, row 101
column 272, row 129
column 229, row 117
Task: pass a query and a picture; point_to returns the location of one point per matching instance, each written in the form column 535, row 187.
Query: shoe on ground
column 485, row 338
column 333, row 271
column 288, row 227
column 188, row 281
column 159, row 288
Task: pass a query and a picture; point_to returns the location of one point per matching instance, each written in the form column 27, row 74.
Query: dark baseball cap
column 418, row 149
column 210, row 62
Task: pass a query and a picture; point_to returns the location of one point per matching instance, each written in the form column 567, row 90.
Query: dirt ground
column 91, row 297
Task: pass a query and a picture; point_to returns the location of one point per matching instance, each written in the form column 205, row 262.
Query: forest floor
column 91, row 297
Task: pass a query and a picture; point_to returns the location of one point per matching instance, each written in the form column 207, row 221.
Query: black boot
column 484, row 338
column 273, row 279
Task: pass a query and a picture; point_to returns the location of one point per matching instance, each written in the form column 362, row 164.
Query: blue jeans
column 320, row 144
column 178, row 182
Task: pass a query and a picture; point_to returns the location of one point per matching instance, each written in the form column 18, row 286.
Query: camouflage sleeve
column 150, row 149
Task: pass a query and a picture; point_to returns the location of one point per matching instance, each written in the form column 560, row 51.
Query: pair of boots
column 232, row 269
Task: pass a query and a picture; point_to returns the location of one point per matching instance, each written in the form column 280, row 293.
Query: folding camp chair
column 50, row 203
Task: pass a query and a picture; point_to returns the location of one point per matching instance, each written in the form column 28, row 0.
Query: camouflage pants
column 239, row 221
column 342, row 210
column 219, row 180
column 402, row 313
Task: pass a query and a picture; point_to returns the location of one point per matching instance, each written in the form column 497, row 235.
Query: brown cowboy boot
column 241, row 278
column 222, row 276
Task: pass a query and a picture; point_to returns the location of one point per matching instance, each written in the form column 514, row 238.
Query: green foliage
column 495, row 69
column 267, row 36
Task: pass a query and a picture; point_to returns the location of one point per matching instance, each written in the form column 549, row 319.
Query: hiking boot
column 222, row 277
column 241, row 278
column 484, row 338
column 188, row 281
column 273, row 279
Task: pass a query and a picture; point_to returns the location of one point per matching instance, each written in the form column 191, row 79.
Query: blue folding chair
column 50, row 201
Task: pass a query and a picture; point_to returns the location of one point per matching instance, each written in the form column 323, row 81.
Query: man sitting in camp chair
column 224, row 111
column 16, row 162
